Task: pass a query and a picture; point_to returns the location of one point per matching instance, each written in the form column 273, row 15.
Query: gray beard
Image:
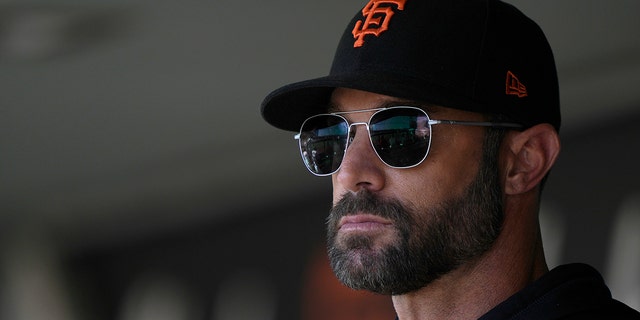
column 428, row 244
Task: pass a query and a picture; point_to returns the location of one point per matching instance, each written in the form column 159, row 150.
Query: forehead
column 345, row 100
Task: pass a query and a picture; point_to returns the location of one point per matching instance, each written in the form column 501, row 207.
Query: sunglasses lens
column 400, row 136
column 323, row 141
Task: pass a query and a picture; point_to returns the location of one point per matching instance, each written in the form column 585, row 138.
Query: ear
column 530, row 155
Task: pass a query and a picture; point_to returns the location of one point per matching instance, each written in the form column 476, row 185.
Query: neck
column 515, row 260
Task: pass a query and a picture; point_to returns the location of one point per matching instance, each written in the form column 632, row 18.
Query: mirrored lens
column 400, row 136
column 323, row 141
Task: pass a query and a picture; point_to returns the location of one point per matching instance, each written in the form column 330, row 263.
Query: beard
column 428, row 243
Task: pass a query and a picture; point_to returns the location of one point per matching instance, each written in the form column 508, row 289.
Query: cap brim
column 287, row 107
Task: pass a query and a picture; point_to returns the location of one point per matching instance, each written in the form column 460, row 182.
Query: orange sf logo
column 376, row 19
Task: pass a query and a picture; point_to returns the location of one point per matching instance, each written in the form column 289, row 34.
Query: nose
column 361, row 168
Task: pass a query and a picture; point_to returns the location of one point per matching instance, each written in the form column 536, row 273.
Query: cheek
column 437, row 180
column 338, row 191
column 420, row 188
column 459, row 158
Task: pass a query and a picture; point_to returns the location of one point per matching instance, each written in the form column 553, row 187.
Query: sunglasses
column 399, row 135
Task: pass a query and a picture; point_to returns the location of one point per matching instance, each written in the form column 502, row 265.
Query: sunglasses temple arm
column 478, row 123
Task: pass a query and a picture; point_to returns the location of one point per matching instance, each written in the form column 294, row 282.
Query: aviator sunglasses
column 399, row 135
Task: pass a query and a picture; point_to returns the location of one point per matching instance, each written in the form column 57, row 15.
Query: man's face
column 393, row 231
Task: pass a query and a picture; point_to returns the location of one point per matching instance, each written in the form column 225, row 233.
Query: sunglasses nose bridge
column 353, row 131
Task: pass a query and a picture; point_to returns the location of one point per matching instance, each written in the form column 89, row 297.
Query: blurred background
column 138, row 181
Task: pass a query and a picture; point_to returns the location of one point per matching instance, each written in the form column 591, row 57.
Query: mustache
column 366, row 201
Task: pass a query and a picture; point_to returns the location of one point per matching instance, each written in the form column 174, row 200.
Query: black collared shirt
column 573, row 291
column 569, row 292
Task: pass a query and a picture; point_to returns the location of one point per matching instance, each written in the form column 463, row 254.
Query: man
column 438, row 125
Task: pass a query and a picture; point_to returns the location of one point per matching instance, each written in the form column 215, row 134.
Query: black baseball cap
column 476, row 55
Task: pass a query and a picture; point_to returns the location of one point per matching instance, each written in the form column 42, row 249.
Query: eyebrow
column 427, row 107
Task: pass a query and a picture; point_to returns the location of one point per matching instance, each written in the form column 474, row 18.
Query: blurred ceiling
column 119, row 118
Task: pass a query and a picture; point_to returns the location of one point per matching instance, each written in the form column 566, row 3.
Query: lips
column 363, row 222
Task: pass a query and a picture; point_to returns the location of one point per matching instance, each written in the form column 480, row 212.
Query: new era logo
column 514, row 86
